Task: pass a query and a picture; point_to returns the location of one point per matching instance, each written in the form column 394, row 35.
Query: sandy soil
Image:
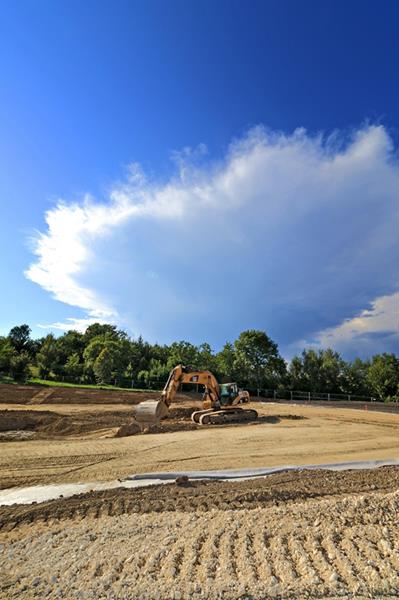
column 291, row 535
column 309, row 534
column 273, row 490
column 323, row 435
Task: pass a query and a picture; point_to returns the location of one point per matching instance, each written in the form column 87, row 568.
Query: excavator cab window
column 228, row 391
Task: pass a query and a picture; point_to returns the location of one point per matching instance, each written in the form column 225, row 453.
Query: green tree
column 226, row 360
column 160, row 353
column 257, row 359
column 317, row 371
column 355, row 378
column 103, row 329
column 296, row 374
column 311, row 361
column 20, row 339
column 104, row 364
column 206, row 359
column 140, row 353
column 19, row 366
column 157, row 372
column 383, row 376
column 332, row 370
column 183, row 353
column 109, row 365
column 72, row 342
column 73, row 366
column 46, row 358
column 6, row 354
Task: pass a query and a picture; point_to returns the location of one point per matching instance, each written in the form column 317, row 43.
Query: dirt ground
column 307, row 534
column 291, row 535
column 284, row 435
column 36, row 394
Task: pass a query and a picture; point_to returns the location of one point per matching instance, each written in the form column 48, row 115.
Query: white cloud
column 74, row 324
column 293, row 233
column 381, row 318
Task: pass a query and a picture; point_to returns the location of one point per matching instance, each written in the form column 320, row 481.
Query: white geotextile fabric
column 42, row 493
column 263, row 471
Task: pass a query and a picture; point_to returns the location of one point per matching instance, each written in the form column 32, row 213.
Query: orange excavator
column 220, row 401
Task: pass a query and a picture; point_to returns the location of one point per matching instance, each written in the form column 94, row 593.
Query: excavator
column 219, row 402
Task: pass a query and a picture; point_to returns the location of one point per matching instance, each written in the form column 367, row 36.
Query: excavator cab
column 228, row 392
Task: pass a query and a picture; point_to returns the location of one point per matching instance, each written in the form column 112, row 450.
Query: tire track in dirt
column 280, row 551
column 277, row 489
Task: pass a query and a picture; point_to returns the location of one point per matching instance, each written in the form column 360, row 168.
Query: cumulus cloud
column 295, row 233
column 373, row 330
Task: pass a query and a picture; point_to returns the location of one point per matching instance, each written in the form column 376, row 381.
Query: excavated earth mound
column 49, row 424
column 33, row 424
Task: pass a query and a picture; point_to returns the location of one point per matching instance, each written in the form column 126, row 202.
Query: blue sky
column 188, row 170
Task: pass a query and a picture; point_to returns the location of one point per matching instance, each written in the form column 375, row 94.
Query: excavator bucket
column 150, row 412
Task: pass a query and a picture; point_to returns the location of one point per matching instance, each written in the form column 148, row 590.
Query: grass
column 47, row 383
column 6, row 379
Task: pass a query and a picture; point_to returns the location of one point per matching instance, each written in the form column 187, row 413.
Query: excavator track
column 224, row 416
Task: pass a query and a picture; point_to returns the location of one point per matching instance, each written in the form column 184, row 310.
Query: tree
column 157, row 371
column 332, row 370
column 104, row 364
column 72, row 342
column 225, row 361
column 383, row 376
column 140, row 353
column 355, row 378
column 73, row 366
column 257, row 358
column 6, row 354
column 183, row 353
column 206, row 359
column 19, row 338
column 296, row 374
column 46, row 358
column 311, row 367
column 160, row 353
column 106, row 358
column 317, row 371
column 19, row 366
column 102, row 329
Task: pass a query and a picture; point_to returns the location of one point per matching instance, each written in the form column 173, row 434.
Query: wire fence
column 298, row 395
column 275, row 394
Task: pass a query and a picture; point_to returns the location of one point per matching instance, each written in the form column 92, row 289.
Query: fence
column 276, row 394
column 282, row 394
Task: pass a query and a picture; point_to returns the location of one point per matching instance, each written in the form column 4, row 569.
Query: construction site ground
column 302, row 534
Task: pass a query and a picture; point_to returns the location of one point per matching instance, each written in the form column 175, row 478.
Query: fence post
column 349, row 397
column 328, row 396
column 308, row 396
column 274, row 394
column 291, row 395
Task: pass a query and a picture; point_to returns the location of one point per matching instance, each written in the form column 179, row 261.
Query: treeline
column 105, row 354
